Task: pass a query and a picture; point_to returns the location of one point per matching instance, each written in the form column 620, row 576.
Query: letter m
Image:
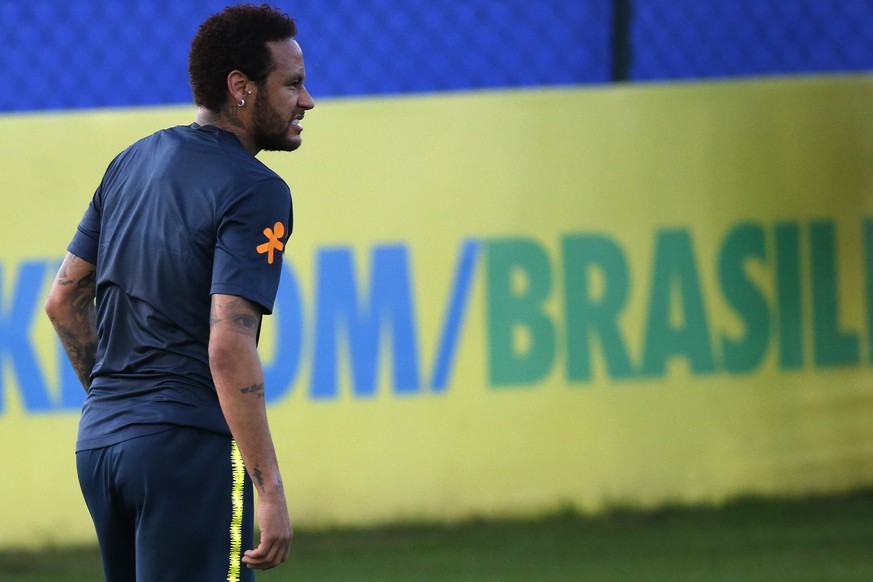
column 339, row 309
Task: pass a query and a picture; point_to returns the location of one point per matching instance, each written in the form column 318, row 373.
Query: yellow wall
column 667, row 299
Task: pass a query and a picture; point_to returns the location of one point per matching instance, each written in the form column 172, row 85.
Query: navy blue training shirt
column 179, row 215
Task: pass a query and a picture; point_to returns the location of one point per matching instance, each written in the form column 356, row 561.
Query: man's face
column 281, row 100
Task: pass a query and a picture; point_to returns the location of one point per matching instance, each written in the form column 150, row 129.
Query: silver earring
column 242, row 103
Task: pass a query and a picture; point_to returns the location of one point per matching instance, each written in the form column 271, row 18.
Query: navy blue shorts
column 172, row 506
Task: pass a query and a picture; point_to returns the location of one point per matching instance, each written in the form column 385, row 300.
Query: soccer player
column 181, row 246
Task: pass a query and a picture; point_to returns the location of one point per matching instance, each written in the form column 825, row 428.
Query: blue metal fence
column 60, row 54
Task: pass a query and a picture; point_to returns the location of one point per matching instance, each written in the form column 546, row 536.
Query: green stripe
column 236, row 497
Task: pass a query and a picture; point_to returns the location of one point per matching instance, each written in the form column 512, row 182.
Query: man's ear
column 237, row 86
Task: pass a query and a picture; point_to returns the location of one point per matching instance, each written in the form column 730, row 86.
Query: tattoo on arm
column 78, row 330
column 81, row 351
column 240, row 314
column 256, row 389
column 258, row 476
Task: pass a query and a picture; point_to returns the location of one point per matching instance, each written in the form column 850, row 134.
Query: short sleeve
column 252, row 233
column 86, row 241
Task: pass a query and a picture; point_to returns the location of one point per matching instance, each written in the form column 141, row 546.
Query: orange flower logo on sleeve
column 273, row 243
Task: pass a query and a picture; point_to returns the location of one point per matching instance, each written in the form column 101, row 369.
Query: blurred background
column 93, row 54
column 546, row 254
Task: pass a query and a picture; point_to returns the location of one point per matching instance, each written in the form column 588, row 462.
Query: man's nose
column 306, row 101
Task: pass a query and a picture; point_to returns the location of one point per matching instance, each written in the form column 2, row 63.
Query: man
column 182, row 246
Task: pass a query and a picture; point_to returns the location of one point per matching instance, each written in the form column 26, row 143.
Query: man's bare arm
column 70, row 306
column 239, row 382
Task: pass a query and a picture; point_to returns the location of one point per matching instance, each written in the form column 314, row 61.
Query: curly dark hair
column 234, row 39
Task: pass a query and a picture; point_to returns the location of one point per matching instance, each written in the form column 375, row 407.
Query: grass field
column 818, row 539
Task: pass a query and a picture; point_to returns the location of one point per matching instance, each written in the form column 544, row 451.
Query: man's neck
column 227, row 121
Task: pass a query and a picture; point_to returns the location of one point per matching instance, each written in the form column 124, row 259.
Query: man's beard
column 270, row 130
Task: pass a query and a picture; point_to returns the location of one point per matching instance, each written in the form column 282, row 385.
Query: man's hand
column 276, row 533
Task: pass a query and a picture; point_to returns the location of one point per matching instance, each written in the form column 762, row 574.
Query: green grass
column 818, row 539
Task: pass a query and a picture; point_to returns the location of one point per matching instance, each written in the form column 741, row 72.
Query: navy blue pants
column 172, row 506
